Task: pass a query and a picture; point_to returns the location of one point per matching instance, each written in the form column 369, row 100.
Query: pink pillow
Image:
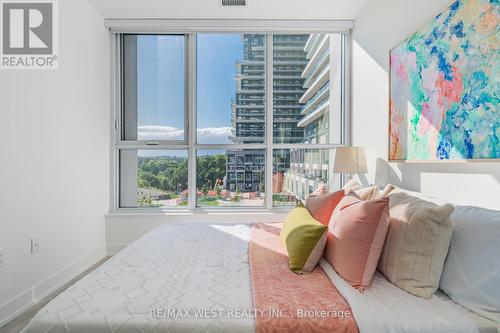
column 356, row 236
column 321, row 206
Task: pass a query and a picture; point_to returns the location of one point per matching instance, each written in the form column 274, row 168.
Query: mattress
column 185, row 278
column 176, row 278
column 385, row 308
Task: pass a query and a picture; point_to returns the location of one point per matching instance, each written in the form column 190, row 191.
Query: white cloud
column 151, row 132
column 214, row 135
column 205, row 135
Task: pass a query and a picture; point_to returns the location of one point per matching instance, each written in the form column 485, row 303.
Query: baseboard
column 113, row 249
column 23, row 301
column 17, row 305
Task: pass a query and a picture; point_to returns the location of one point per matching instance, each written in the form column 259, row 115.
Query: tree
column 237, row 195
column 167, row 172
column 163, row 172
column 209, row 168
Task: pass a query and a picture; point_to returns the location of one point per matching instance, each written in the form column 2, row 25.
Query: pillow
column 304, row 238
column 321, row 190
column 321, row 206
column 356, row 236
column 471, row 274
column 388, row 189
column 416, row 245
column 419, row 195
column 352, row 185
column 365, row 193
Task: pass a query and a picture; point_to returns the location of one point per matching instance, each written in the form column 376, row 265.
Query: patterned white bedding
column 172, row 267
column 196, row 267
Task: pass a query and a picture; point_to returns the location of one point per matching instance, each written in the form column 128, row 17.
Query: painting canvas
column 444, row 86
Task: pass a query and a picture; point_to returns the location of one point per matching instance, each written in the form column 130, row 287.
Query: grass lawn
column 204, row 202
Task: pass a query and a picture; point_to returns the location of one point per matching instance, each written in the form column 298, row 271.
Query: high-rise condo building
column 301, row 113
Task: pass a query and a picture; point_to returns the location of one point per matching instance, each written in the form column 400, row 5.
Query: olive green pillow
column 304, row 238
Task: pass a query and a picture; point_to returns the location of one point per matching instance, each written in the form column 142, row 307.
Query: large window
column 230, row 88
column 227, row 119
column 230, row 178
column 158, row 178
column 153, row 88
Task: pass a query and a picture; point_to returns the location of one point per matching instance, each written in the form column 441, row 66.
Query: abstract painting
column 445, row 89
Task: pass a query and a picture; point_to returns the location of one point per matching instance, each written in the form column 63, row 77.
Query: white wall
column 379, row 27
column 54, row 164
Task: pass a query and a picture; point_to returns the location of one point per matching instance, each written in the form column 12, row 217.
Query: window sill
column 197, row 212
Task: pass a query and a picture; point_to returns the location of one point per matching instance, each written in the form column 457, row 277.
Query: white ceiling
column 255, row 9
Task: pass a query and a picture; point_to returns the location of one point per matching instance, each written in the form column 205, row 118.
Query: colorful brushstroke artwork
column 445, row 89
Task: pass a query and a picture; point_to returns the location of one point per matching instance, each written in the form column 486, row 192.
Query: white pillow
column 471, row 274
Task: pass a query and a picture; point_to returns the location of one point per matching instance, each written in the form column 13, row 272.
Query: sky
column 160, row 64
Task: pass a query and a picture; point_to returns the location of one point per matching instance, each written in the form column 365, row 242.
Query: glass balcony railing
column 315, row 70
column 316, row 98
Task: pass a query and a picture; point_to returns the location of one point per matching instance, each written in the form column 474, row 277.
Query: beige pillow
column 321, row 190
column 387, row 190
column 365, row 193
column 426, row 197
column 416, row 244
column 352, row 185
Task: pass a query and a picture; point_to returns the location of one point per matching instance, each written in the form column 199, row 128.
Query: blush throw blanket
column 287, row 302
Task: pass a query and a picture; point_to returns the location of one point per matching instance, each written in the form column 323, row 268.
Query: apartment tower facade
column 301, row 104
column 245, row 168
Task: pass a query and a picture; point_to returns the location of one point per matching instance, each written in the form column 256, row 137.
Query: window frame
column 190, row 142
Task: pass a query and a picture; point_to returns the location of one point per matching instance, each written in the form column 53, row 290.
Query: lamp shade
column 350, row 160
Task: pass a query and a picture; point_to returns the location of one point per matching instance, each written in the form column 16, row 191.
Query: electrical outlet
column 35, row 246
column 2, row 258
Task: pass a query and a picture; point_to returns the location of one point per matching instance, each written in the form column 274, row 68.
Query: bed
column 385, row 308
column 196, row 278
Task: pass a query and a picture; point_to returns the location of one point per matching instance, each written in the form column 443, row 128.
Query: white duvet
column 385, row 308
column 173, row 267
column 187, row 278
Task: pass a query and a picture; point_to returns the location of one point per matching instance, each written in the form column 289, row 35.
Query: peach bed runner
column 287, row 302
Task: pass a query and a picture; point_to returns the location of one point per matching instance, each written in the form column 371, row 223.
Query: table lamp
column 351, row 160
